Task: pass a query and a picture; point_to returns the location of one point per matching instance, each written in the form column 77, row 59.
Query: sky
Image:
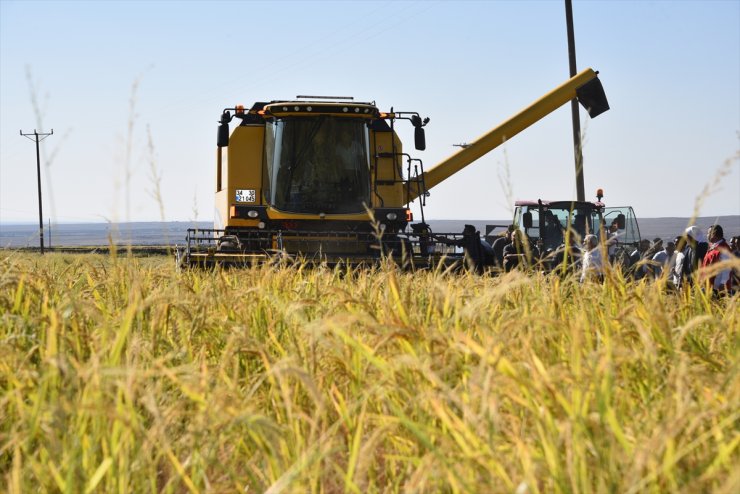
column 133, row 91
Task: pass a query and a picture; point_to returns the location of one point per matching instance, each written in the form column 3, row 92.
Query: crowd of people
column 689, row 258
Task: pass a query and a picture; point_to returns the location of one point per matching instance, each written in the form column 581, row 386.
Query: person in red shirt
column 718, row 251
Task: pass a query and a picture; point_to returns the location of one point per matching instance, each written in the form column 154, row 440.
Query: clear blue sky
column 671, row 70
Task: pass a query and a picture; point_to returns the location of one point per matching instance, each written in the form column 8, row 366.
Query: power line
column 38, row 137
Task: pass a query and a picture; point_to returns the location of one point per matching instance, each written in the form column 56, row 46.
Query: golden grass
column 124, row 375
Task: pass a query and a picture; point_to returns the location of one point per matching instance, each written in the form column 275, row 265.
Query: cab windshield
column 552, row 225
column 317, row 165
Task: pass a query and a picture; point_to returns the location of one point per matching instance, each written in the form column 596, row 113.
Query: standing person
column 500, row 243
column 735, row 249
column 519, row 253
column 735, row 245
column 637, row 268
column 567, row 258
column 612, row 239
column 676, row 276
column 694, row 250
column 592, row 266
column 478, row 253
column 664, row 259
column 718, row 251
column 655, row 248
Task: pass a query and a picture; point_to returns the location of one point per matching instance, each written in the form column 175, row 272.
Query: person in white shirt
column 612, row 241
column 676, row 276
column 592, row 262
column 664, row 259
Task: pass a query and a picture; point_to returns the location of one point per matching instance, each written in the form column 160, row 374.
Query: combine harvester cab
column 327, row 180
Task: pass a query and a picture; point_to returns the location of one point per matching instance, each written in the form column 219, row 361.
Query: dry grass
column 123, row 375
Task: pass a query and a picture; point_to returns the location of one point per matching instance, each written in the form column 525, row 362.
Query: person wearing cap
column 592, row 266
column 695, row 247
column 718, row 251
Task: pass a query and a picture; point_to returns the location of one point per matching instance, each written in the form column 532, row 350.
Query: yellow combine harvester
column 327, row 180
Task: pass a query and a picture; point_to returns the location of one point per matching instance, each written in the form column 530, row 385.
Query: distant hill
column 173, row 232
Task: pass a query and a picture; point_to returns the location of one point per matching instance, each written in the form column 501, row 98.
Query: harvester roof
column 561, row 204
column 337, row 108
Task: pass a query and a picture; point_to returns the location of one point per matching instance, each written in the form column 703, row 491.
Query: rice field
column 125, row 375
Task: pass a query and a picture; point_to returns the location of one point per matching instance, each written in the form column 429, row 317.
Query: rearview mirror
column 527, row 217
column 223, row 135
column 420, row 140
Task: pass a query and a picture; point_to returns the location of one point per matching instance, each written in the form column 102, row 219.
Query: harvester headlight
column 308, row 108
column 345, row 109
column 391, row 216
column 285, row 108
column 252, row 213
column 261, row 225
column 296, row 108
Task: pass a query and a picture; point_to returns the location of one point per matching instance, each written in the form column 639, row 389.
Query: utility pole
column 580, row 189
column 38, row 138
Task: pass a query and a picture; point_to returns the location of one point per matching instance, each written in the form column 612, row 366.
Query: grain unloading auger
column 327, row 180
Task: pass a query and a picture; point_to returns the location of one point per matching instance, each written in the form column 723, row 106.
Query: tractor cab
column 548, row 224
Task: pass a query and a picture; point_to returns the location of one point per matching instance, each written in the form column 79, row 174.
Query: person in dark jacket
column 638, row 269
column 519, row 253
column 500, row 243
column 478, row 254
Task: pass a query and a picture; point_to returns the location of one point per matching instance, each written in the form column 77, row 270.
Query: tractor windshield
column 317, row 165
column 551, row 223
